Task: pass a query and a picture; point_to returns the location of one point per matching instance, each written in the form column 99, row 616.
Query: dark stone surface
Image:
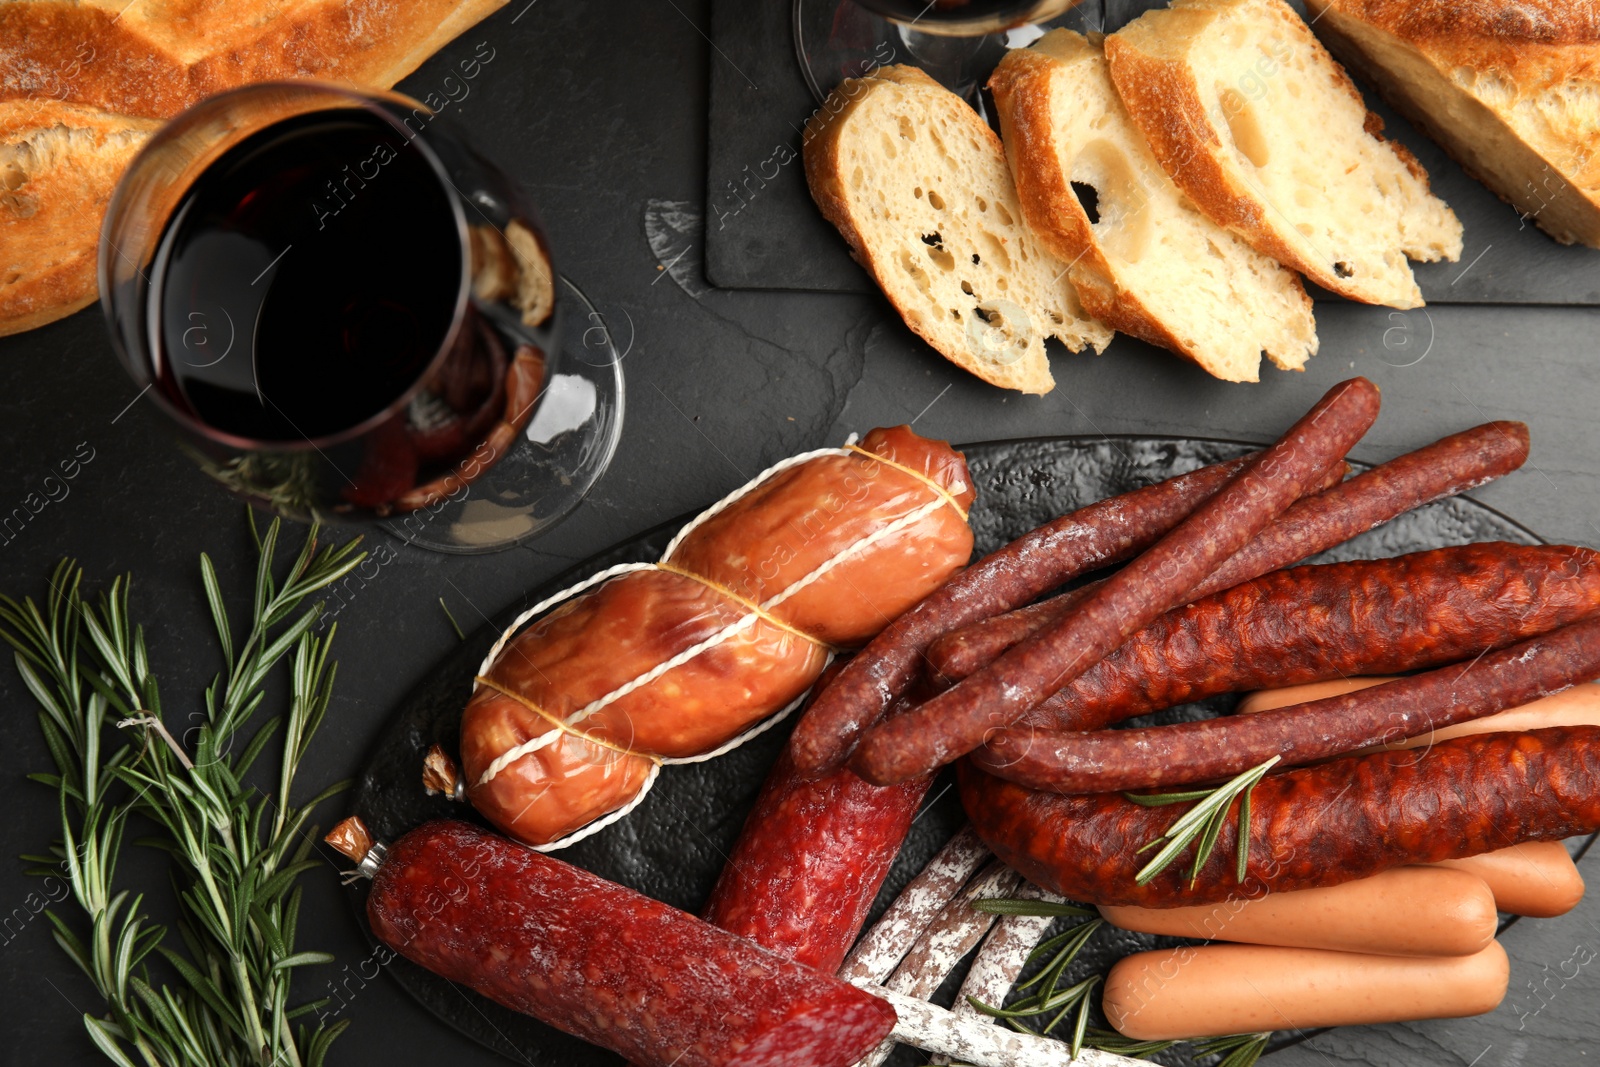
column 600, row 110
column 762, row 231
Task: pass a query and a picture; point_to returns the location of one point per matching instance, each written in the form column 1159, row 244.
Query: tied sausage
column 1070, row 761
column 575, row 712
column 957, row 721
column 1326, row 621
column 1313, row 826
column 810, row 859
column 1091, row 537
column 606, row 964
column 1212, row 990
column 1455, row 464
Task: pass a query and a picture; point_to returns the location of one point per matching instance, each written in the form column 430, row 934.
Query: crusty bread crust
column 1021, row 87
column 826, row 134
column 83, row 84
column 1507, row 87
column 1149, row 64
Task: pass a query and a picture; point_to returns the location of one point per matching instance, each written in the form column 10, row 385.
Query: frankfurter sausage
column 1314, row 826
column 1102, row 533
column 606, row 964
column 1406, row 911
column 1335, row 620
column 1537, row 879
column 1228, row 989
column 1067, row 761
column 573, row 713
column 956, row 721
column 1455, row 464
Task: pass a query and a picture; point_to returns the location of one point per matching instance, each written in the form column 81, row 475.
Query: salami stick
column 810, row 860
column 1103, row 760
column 606, row 964
column 1091, row 537
column 1455, row 464
column 956, row 721
column 874, row 957
column 1004, row 953
column 1334, row 620
column 1314, row 826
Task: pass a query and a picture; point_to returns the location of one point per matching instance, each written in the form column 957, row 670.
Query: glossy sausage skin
column 1314, row 826
column 606, row 964
column 1091, row 537
column 1455, row 464
column 1406, row 911
column 957, row 720
column 1326, row 621
column 810, row 860
column 1212, row 990
column 1537, row 879
column 1093, row 761
column 790, row 526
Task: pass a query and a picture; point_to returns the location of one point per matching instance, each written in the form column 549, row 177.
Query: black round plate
column 673, row 845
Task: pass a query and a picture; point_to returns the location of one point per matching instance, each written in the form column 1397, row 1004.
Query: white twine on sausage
column 759, row 611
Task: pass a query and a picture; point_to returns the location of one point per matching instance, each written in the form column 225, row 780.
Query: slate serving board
column 763, row 232
column 673, row 845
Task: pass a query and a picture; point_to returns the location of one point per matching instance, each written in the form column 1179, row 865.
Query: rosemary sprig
column 1237, row 1050
column 236, row 851
column 1205, row 821
column 1015, row 906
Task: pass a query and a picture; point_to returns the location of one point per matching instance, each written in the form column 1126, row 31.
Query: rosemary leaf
column 1205, row 818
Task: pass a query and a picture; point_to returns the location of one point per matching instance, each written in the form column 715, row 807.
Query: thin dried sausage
column 956, row 721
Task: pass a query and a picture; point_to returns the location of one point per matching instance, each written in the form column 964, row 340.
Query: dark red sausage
column 606, row 964
column 1455, row 464
column 1072, row 761
column 1334, row 620
column 956, row 721
column 1092, row 537
column 1315, row 826
column 810, row 860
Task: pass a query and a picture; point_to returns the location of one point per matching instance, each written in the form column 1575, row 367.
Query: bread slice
column 1510, row 88
column 918, row 185
column 1267, row 134
column 1145, row 261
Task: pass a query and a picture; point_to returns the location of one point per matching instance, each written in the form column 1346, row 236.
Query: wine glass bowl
column 351, row 315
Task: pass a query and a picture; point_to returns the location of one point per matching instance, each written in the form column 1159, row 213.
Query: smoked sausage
column 572, row 714
column 1313, row 826
column 1454, row 464
column 957, row 721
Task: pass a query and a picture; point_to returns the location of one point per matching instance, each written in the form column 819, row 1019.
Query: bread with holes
column 1146, row 262
column 1266, row 133
column 83, row 83
column 918, row 185
column 1510, row 88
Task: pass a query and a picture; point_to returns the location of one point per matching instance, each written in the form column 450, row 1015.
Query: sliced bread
column 1510, row 88
column 1254, row 120
column 918, row 185
column 1144, row 260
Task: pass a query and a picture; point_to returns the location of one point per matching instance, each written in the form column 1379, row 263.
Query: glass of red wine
column 958, row 42
column 352, row 316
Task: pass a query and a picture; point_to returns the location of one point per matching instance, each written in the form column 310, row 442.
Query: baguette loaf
column 82, row 84
column 1510, row 88
column 1146, row 262
column 1254, row 120
column 918, row 186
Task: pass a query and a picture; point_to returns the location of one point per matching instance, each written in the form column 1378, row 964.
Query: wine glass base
column 557, row 458
column 839, row 39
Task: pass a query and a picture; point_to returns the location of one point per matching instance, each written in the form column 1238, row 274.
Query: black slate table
column 600, row 109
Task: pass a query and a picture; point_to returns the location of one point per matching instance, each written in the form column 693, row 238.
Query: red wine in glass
column 352, row 315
